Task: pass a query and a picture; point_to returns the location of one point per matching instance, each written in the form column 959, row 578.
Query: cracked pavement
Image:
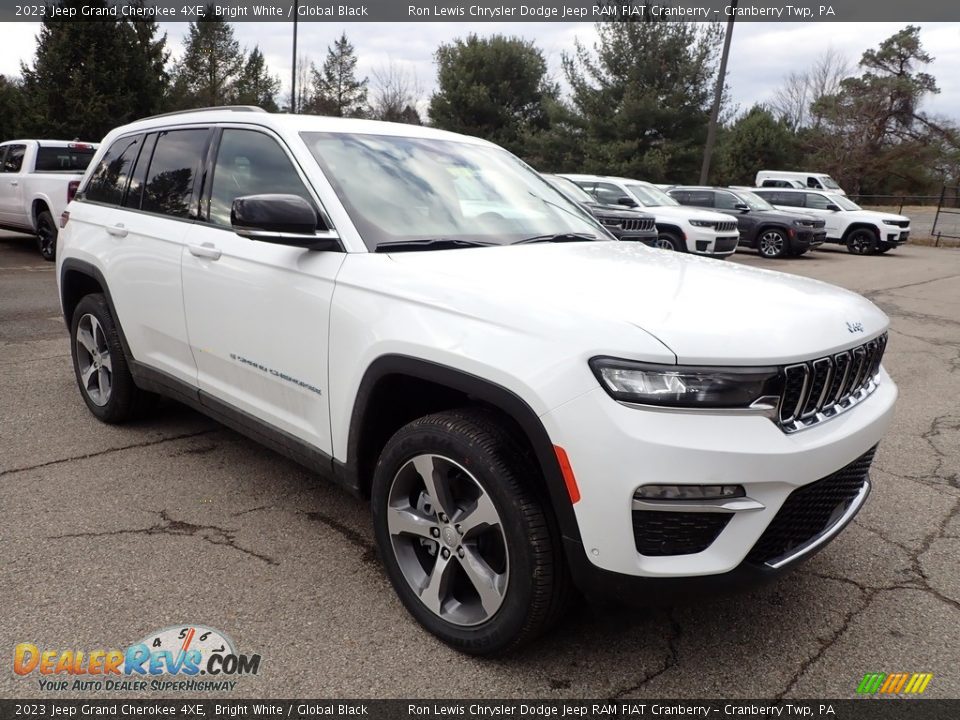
column 108, row 533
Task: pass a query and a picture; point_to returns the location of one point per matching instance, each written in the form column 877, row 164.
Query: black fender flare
column 482, row 389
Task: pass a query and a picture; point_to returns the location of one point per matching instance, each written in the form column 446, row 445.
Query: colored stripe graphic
column 894, row 684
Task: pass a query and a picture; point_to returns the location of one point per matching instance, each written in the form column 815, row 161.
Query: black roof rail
column 229, row 108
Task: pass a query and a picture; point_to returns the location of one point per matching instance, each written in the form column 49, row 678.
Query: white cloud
column 762, row 53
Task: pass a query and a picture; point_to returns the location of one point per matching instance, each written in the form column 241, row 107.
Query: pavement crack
column 213, row 534
column 349, row 534
column 670, row 661
column 108, row 451
column 882, row 291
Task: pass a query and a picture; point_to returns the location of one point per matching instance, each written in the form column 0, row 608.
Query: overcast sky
column 762, row 53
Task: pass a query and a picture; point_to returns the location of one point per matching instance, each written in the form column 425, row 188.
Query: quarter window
column 250, row 163
column 173, row 170
column 109, row 179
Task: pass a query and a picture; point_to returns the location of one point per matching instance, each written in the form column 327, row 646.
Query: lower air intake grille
column 810, row 510
column 658, row 533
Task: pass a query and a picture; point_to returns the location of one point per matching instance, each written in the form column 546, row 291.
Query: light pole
column 293, row 72
column 717, row 97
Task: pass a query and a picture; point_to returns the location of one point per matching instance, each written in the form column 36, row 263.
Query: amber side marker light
column 568, row 479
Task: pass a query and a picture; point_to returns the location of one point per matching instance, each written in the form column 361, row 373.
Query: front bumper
column 895, row 236
column 718, row 246
column 614, row 449
column 807, row 238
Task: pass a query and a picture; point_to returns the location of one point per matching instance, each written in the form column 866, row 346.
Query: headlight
column 703, row 223
column 686, row 387
column 892, row 222
column 803, row 223
column 612, row 222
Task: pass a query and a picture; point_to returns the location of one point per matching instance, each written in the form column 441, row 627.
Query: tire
column 47, row 236
column 669, row 241
column 514, row 557
column 862, row 241
column 100, row 365
column 772, row 244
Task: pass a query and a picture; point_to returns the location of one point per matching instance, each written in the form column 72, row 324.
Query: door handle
column 14, row 182
column 118, row 230
column 206, row 250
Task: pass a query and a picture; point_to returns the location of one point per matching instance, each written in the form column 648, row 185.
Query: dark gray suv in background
column 773, row 233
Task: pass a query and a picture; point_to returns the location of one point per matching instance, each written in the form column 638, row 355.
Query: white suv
column 681, row 228
column 530, row 404
column 864, row 232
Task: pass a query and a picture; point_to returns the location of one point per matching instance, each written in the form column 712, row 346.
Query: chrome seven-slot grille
column 819, row 389
column 637, row 224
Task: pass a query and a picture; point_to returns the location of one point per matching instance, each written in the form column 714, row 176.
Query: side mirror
column 833, row 208
column 280, row 219
column 742, row 207
column 626, row 201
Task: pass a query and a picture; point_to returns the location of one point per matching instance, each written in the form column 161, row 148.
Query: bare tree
column 395, row 94
column 304, row 91
column 795, row 101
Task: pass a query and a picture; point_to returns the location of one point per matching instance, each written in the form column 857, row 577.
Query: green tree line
column 636, row 102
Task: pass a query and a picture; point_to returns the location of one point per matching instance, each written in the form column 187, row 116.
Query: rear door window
column 700, row 198
column 13, row 160
column 109, row 179
column 176, row 162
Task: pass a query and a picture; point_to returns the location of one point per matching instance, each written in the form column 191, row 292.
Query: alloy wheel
column 663, row 243
column 93, row 359
column 46, row 239
column 771, row 244
column 448, row 539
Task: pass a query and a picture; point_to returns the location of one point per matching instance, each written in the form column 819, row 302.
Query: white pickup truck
column 37, row 180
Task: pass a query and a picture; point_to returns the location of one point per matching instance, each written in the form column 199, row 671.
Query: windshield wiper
column 557, row 237
column 429, row 244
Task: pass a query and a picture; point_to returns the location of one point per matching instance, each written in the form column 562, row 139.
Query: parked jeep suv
column 529, row 404
column 623, row 223
column 864, row 232
column 774, row 233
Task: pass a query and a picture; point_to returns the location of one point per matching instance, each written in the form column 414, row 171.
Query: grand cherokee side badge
column 855, row 327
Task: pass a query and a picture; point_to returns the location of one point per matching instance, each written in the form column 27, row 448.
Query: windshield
column 829, row 182
column 569, row 188
column 844, row 203
column 754, row 201
column 650, row 196
column 405, row 189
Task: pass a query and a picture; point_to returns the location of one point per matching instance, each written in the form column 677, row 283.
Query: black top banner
column 645, row 709
column 486, row 11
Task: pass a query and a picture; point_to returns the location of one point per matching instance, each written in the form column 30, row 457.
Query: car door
column 816, row 204
column 11, row 186
column 726, row 202
column 151, row 183
column 258, row 313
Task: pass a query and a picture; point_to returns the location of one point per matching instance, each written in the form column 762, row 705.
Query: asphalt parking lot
column 108, row 533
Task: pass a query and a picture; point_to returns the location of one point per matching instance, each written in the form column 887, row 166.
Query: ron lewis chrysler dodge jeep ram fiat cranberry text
column 530, row 405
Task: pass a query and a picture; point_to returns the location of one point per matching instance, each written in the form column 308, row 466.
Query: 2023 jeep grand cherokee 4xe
column 529, row 404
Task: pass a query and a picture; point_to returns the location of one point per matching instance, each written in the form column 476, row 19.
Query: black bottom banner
column 863, row 709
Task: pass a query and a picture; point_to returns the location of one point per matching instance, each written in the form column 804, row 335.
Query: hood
column 881, row 216
column 685, row 212
column 705, row 311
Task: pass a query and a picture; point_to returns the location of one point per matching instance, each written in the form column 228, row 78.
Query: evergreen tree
column 212, row 62
column 496, row 88
column 89, row 77
column 755, row 141
column 642, row 96
column 11, row 108
column 336, row 89
column 255, row 85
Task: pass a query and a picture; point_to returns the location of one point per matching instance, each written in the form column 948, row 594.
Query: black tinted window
column 250, row 163
column 109, row 179
column 699, row 198
column 608, row 193
column 64, row 159
column 790, row 199
column 14, row 158
column 725, row 201
column 139, row 175
column 176, row 159
column 816, row 201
